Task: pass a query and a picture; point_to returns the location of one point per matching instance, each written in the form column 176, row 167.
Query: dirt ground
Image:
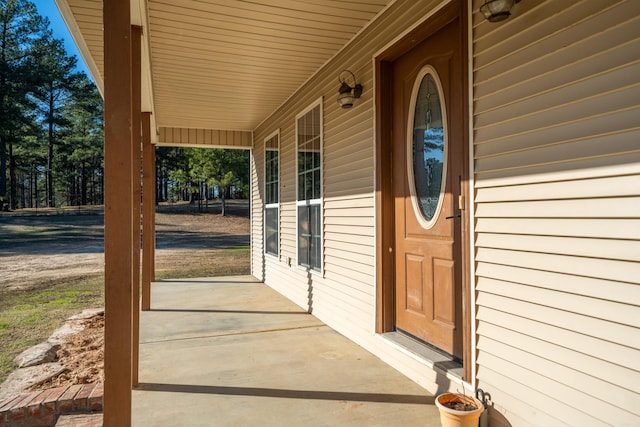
column 82, row 355
column 41, row 251
column 36, row 252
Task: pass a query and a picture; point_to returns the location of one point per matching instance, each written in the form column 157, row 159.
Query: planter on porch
column 458, row 410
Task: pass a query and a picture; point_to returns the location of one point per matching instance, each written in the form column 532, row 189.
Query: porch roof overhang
column 222, row 65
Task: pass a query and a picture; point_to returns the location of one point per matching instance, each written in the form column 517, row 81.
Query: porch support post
column 136, row 154
column 148, row 211
column 118, row 226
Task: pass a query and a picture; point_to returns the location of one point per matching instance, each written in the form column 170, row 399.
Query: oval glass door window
column 427, row 143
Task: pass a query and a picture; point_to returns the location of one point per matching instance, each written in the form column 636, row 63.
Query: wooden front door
column 429, row 157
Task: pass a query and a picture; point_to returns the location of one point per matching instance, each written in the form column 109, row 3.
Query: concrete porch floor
column 230, row 351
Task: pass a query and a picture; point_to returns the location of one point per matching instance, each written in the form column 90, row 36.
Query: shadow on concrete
column 289, row 394
column 176, row 310
column 207, row 280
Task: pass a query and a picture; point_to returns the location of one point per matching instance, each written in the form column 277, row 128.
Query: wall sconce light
column 497, row 10
column 348, row 94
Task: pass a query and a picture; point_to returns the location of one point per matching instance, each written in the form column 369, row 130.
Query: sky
column 49, row 9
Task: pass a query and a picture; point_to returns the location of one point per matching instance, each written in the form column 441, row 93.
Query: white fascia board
column 74, row 29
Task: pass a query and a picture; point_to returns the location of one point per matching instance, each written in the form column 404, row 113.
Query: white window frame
column 275, row 205
column 311, row 202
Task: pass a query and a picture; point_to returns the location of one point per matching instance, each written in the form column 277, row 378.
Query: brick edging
column 42, row 408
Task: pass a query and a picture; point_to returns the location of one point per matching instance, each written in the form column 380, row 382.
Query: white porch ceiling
column 225, row 64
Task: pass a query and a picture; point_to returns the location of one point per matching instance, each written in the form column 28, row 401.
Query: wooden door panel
column 444, row 292
column 442, row 229
column 427, row 257
column 414, row 295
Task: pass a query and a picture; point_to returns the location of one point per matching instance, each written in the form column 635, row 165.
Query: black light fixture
column 348, row 94
column 497, row 10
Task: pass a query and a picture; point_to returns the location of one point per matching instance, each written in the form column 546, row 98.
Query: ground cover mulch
column 82, row 355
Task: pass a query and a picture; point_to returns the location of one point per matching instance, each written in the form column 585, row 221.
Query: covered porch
column 232, row 351
column 207, row 74
column 547, row 151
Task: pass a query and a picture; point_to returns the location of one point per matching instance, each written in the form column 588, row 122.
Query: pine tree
column 20, row 26
column 82, row 140
column 222, row 168
column 55, row 77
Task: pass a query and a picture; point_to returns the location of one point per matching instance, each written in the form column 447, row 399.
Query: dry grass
column 52, row 270
column 29, row 316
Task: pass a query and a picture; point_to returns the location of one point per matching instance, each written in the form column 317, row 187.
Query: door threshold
column 442, row 362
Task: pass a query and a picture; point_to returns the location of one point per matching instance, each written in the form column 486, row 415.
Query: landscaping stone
column 23, row 378
column 36, row 355
column 60, row 335
column 35, row 366
column 87, row 314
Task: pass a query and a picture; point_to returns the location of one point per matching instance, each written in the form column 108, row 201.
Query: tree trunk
column 23, row 199
column 13, row 185
column 83, row 185
column 3, row 98
column 92, row 189
column 50, row 199
column 165, row 185
column 3, row 172
column 31, row 188
column 70, row 190
column 158, row 190
column 35, row 187
column 73, row 182
column 102, row 188
column 206, row 195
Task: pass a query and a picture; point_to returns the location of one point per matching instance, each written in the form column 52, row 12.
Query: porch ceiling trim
column 212, row 138
column 212, row 64
column 96, row 70
column 84, row 21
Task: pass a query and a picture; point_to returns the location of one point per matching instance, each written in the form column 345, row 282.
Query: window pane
column 315, row 243
column 428, row 148
column 303, row 235
column 315, row 120
column 301, row 187
column 309, row 188
column 271, row 175
column 308, row 185
column 309, row 237
column 271, row 230
column 276, row 178
column 316, row 184
column 309, row 163
column 272, row 184
column 309, row 156
column 301, row 138
column 272, row 142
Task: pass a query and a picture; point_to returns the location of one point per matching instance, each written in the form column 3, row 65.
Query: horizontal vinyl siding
column 274, row 270
column 557, row 192
column 256, row 206
column 343, row 296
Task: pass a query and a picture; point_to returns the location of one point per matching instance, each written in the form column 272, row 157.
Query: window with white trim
column 309, row 183
column 272, row 194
